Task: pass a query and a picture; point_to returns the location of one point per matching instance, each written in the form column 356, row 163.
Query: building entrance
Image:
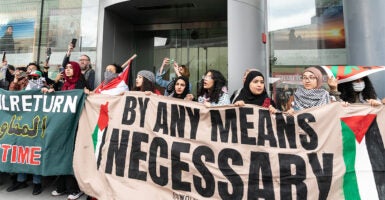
column 191, row 33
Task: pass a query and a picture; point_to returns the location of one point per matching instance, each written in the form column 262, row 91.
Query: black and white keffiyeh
column 304, row 98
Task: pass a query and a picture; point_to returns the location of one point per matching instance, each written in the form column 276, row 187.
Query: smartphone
column 172, row 62
column 74, row 40
column 4, row 53
column 48, row 52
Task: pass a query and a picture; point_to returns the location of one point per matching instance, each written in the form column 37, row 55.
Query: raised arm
column 66, row 58
column 176, row 69
column 165, row 62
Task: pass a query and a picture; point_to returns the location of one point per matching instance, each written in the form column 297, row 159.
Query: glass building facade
column 42, row 24
column 300, row 33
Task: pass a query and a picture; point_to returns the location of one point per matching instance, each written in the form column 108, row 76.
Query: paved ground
column 26, row 193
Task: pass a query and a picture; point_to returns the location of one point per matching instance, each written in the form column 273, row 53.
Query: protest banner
column 37, row 131
column 137, row 146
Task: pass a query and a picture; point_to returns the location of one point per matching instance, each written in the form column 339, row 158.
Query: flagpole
column 128, row 61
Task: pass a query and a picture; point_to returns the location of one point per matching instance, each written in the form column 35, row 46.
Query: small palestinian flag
column 351, row 73
column 364, row 157
column 100, row 129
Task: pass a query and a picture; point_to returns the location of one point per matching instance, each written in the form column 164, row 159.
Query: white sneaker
column 56, row 193
column 74, row 196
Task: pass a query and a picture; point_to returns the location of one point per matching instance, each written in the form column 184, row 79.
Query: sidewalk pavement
column 26, row 193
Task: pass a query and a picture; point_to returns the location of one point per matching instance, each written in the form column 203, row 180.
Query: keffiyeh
column 304, row 98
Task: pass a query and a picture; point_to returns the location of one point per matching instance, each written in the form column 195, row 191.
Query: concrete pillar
column 365, row 40
column 246, row 23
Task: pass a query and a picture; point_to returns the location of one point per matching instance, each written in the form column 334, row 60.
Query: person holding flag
column 354, row 83
column 115, row 79
column 360, row 90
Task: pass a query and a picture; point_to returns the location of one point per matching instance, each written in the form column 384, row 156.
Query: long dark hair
column 349, row 95
column 186, row 89
column 118, row 68
column 146, row 86
column 219, row 83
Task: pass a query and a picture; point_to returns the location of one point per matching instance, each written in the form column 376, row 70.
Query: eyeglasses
column 308, row 78
column 34, row 77
column 207, row 77
column 83, row 60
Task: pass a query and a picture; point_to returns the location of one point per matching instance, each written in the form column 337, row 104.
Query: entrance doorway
column 198, row 48
column 193, row 34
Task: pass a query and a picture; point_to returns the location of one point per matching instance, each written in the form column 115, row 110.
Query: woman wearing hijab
column 360, row 90
column 73, row 79
column 311, row 94
column 181, row 89
column 254, row 92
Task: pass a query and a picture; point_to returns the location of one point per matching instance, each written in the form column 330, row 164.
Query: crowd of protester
column 212, row 91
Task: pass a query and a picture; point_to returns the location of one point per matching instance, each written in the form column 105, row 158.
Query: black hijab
column 186, row 89
column 247, row 96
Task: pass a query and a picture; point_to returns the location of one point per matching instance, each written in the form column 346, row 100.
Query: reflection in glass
column 304, row 33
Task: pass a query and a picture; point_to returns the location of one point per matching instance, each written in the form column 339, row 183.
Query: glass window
column 29, row 27
column 19, row 22
column 65, row 21
column 200, row 49
column 303, row 33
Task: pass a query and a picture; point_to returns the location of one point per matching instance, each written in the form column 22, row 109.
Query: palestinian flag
column 364, row 157
column 351, row 73
column 117, row 85
column 100, row 130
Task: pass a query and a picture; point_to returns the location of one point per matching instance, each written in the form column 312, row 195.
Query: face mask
column 358, row 87
column 108, row 76
column 35, row 84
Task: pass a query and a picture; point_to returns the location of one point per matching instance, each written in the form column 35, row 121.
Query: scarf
column 304, row 98
column 70, row 83
column 109, row 76
column 248, row 97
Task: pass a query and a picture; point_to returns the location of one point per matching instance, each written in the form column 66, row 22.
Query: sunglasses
column 34, row 77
